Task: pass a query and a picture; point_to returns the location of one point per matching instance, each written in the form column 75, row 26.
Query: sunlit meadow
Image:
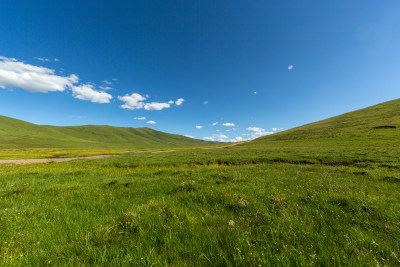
column 202, row 208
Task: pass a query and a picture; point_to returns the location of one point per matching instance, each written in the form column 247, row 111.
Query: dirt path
column 39, row 161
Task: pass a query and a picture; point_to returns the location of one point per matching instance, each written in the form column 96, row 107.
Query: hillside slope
column 20, row 134
column 378, row 123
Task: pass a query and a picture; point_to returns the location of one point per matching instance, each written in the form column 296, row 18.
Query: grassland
column 287, row 199
column 22, row 140
column 18, row 135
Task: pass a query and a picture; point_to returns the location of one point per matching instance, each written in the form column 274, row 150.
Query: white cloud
column 274, row 129
column 156, row 106
column 216, row 137
column 56, row 60
column 17, row 74
column 215, row 123
column 205, row 102
column 257, row 132
column 199, row 127
column 228, row 124
column 151, row 122
column 133, row 101
column 218, row 130
column 136, row 101
column 222, row 136
column 236, row 139
column 140, row 118
column 190, row 136
column 86, row 92
column 179, row 101
column 107, row 82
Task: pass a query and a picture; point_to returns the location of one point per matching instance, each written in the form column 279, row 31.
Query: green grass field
column 327, row 194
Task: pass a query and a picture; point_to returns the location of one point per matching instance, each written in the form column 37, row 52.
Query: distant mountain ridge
column 16, row 133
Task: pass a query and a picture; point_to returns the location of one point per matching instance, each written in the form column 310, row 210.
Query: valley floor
column 278, row 204
column 55, row 156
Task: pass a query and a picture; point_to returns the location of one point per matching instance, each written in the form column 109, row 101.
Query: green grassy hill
column 20, row 134
column 379, row 123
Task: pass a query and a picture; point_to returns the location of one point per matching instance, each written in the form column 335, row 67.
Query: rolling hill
column 20, row 134
column 379, row 123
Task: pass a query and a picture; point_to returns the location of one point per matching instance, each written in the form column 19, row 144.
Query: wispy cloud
column 106, row 85
column 140, row 118
column 46, row 59
column 215, row 123
column 42, row 59
column 151, row 122
column 228, row 124
column 199, row 126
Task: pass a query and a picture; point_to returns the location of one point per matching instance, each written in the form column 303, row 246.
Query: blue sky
column 184, row 64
